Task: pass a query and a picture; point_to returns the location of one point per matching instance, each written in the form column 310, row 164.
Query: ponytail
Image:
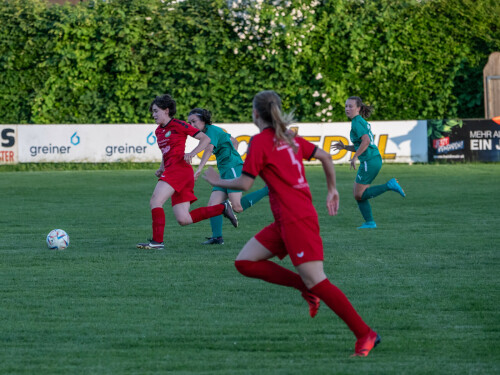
column 364, row 110
column 268, row 105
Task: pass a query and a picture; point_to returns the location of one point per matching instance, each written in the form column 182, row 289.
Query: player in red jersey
column 176, row 177
column 276, row 156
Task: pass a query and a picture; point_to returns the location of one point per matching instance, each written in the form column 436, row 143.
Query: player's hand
column 332, row 202
column 188, row 157
column 197, row 174
column 338, row 146
column 211, row 176
column 159, row 172
column 353, row 162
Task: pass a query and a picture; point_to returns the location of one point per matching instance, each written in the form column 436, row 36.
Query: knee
column 358, row 197
column 184, row 221
column 244, row 267
column 237, row 207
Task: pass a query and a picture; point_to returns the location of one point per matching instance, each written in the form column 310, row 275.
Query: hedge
column 103, row 62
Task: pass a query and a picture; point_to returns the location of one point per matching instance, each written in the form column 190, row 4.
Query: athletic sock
column 158, row 223
column 216, row 224
column 366, row 209
column 270, row 272
column 374, row 191
column 340, row 305
column 203, row 213
column 250, row 199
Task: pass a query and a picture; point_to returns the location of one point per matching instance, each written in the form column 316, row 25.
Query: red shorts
column 300, row 240
column 182, row 180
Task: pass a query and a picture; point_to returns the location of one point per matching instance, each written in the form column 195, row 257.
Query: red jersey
column 284, row 174
column 171, row 140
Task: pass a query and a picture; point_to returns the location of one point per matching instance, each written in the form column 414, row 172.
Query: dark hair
column 203, row 114
column 164, row 101
column 365, row 110
column 268, row 105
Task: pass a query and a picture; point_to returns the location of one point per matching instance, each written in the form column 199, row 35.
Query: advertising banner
column 398, row 141
column 8, row 144
column 464, row 140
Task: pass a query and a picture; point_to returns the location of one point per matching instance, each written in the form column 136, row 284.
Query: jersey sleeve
column 308, row 149
column 186, row 128
column 254, row 161
column 213, row 134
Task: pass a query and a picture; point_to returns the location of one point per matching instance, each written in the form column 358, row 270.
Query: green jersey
column 225, row 153
column 360, row 127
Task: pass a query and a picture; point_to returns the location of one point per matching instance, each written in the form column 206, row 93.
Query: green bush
column 103, row 62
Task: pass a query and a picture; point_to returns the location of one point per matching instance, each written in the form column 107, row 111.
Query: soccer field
column 427, row 280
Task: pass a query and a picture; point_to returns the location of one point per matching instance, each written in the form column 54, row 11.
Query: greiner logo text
column 126, row 149
column 37, row 150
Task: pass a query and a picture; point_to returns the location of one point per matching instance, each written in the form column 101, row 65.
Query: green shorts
column 229, row 174
column 368, row 170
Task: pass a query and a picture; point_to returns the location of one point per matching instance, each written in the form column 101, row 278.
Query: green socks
column 374, row 191
column 366, row 209
column 216, row 223
column 250, row 199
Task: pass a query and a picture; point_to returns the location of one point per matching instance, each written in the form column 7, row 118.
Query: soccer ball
column 57, row 239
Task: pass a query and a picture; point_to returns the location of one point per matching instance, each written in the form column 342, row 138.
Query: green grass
column 427, row 280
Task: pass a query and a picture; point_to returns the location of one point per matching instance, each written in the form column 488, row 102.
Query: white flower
column 328, row 100
column 317, row 104
column 250, row 48
column 235, row 51
column 263, row 57
column 316, row 94
column 319, row 76
column 323, row 95
column 148, row 18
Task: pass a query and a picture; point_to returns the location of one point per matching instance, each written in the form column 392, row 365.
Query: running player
column 176, row 180
column 276, row 156
column 229, row 164
column 369, row 158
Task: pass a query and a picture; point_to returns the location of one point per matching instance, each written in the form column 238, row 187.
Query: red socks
column 158, row 223
column 203, row 213
column 338, row 302
column 270, row 272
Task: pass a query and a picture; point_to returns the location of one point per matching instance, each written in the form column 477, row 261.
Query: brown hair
column 164, row 101
column 365, row 110
column 268, row 105
column 203, row 114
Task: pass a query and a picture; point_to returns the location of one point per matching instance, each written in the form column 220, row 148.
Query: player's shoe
column 313, row 302
column 365, row 344
column 229, row 213
column 368, row 225
column 213, row 241
column 393, row 185
column 151, row 245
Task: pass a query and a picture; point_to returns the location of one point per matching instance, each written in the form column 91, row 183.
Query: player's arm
column 204, row 141
column 235, row 142
column 365, row 142
column 161, row 169
column 206, row 154
column 342, row 146
column 332, row 198
column 243, row 182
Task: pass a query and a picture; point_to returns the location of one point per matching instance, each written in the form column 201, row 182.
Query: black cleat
column 213, row 241
column 229, row 213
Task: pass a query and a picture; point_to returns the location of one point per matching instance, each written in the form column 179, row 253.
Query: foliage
column 103, row 62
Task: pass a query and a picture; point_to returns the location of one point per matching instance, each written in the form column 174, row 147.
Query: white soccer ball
column 57, row 239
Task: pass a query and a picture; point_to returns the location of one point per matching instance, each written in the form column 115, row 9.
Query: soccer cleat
column 213, row 241
column 151, row 245
column 229, row 213
column 313, row 302
column 368, row 225
column 365, row 344
column 393, row 185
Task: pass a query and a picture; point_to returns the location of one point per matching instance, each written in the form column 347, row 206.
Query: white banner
column 398, row 141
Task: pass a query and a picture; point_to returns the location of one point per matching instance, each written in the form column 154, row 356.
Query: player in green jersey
column 370, row 160
column 229, row 163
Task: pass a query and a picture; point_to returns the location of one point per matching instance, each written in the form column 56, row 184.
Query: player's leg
column 315, row 279
column 186, row 217
column 162, row 192
column 253, row 260
column 250, row 199
column 364, row 205
column 217, row 197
